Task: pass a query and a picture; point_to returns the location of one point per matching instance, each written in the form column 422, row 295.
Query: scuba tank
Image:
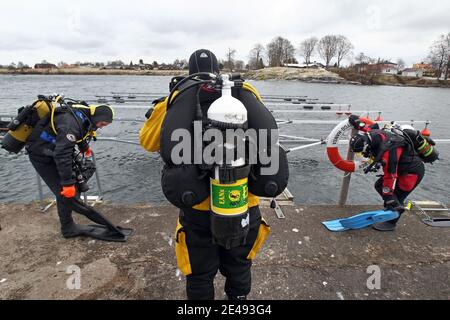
column 230, row 218
column 205, row 101
column 424, row 146
column 21, row 127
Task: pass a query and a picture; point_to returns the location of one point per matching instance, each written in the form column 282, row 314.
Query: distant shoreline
column 335, row 76
column 94, row 72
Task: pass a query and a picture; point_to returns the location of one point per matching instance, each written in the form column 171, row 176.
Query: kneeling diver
column 58, row 145
column 401, row 151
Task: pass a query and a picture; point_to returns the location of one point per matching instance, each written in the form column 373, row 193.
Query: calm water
column 130, row 175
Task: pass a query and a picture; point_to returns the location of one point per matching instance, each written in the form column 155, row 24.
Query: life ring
column 333, row 149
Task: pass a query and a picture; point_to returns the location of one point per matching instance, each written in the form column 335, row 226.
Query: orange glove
column 88, row 152
column 69, row 192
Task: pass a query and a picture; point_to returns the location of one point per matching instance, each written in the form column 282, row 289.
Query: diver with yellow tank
column 56, row 133
column 220, row 226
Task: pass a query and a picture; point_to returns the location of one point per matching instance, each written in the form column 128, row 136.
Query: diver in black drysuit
column 199, row 257
column 52, row 156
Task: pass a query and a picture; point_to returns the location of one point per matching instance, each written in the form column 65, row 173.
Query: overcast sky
column 100, row 30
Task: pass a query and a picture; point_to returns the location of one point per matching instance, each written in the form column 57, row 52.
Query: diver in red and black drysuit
column 403, row 169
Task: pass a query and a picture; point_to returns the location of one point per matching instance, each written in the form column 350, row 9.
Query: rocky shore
column 308, row 75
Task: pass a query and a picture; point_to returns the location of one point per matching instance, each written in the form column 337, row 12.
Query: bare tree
column 289, row 53
column 328, row 48
column 401, row 64
column 367, row 68
column 307, row 48
column 239, row 65
column 361, row 61
column 255, row 57
column 343, row 49
column 229, row 59
column 439, row 55
column 280, row 51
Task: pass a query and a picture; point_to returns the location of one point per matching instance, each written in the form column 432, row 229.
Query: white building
column 390, row 70
column 414, row 73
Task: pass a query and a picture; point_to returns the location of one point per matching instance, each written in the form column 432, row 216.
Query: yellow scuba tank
column 230, row 217
column 21, row 127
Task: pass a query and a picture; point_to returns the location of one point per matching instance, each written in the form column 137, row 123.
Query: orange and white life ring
column 333, row 149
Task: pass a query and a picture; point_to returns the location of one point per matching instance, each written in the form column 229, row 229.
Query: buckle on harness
column 231, row 175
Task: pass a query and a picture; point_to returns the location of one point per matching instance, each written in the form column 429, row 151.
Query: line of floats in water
column 308, row 104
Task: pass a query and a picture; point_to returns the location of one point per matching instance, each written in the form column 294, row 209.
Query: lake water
column 131, row 175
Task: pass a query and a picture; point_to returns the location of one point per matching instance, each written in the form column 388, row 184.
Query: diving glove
column 69, row 192
column 88, row 152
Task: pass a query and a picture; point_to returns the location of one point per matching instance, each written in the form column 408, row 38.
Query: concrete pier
column 300, row 260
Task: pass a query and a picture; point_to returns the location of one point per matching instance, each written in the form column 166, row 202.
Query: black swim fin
column 103, row 230
column 98, row 232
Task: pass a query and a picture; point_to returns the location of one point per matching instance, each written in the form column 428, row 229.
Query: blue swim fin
column 361, row 220
column 334, row 225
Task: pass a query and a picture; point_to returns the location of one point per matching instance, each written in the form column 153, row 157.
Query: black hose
column 199, row 112
column 190, row 77
column 185, row 89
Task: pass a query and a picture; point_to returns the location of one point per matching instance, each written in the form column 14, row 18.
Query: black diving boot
column 69, row 228
column 385, row 226
column 389, row 225
column 73, row 230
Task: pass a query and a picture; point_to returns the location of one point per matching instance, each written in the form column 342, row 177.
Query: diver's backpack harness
column 413, row 142
column 40, row 113
column 220, row 103
column 423, row 145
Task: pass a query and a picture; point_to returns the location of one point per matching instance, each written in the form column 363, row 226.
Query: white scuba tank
column 228, row 109
column 230, row 217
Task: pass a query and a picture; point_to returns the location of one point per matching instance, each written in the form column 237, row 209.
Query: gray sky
column 56, row 30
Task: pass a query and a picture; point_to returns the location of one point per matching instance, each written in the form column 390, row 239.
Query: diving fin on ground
column 360, row 221
column 102, row 230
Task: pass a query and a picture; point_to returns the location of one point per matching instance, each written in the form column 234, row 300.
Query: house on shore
column 389, row 68
column 45, row 66
column 428, row 70
column 412, row 73
column 385, row 67
column 68, row 66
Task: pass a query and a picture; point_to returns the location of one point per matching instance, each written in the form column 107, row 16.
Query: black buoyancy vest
column 42, row 139
column 391, row 143
column 186, row 185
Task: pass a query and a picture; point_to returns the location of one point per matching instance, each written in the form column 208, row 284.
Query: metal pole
column 305, row 147
column 41, row 194
column 99, row 186
column 347, row 177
